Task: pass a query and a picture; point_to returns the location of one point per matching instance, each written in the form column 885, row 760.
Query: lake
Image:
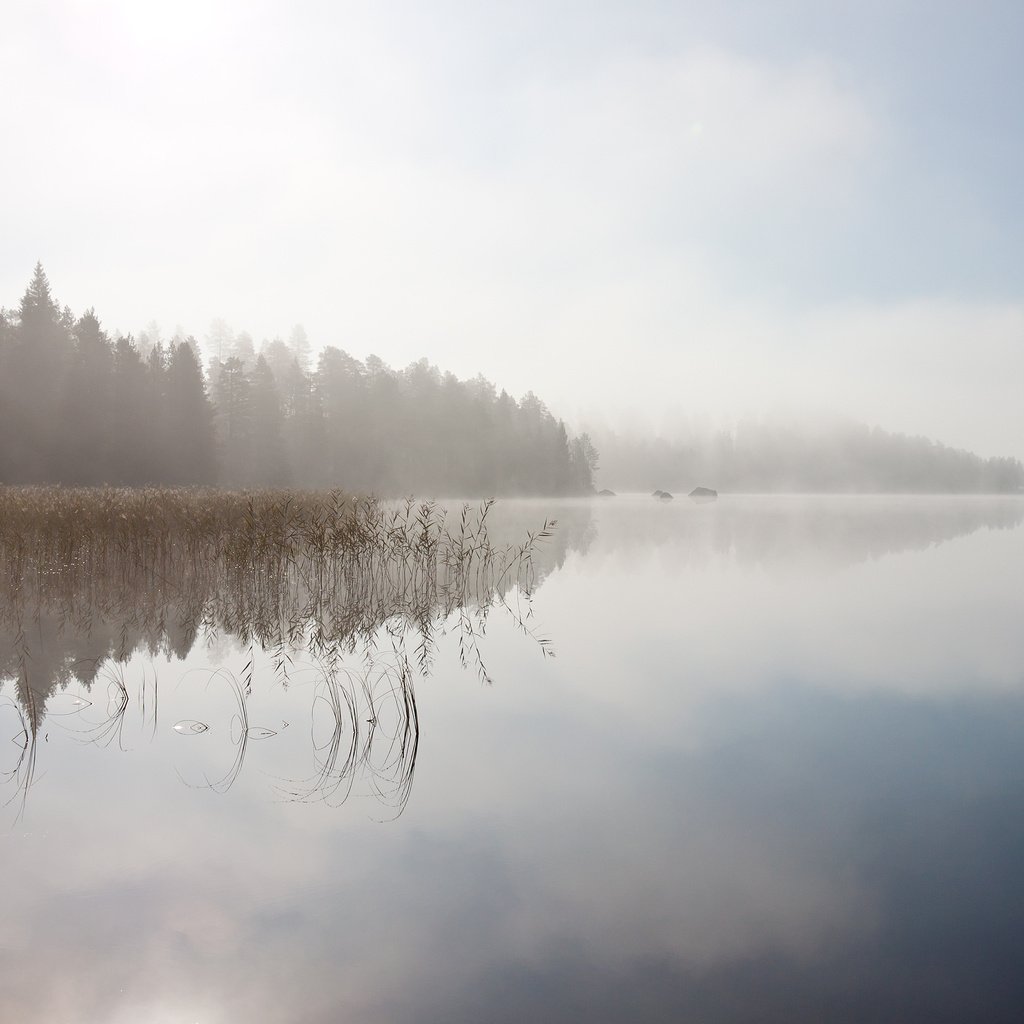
column 757, row 759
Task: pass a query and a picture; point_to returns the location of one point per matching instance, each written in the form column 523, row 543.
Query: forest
column 79, row 407
column 775, row 455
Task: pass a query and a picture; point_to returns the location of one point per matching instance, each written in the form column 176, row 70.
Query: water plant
column 90, row 576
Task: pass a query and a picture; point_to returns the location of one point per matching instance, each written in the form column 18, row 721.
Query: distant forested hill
column 770, row 455
column 79, row 407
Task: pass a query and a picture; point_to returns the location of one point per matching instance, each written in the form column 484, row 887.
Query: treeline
column 79, row 407
column 772, row 455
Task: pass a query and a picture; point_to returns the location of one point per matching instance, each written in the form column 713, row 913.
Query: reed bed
column 278, row 569
column 89, row 576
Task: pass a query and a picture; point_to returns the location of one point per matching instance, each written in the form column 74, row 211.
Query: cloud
column 938, row 367
column 617, row 228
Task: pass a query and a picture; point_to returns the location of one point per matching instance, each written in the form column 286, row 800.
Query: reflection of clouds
column 512, row 853
column 233, row 913
column 934, row 618
column 587, row 837
column 728, row 792
column 805, row 854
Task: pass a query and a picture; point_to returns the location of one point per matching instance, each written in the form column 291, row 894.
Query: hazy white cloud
column 615, row 226
column 937, row 367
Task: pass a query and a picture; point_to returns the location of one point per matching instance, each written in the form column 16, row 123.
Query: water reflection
column 795, row 530
column 364, row 623
column 77, row 606
column 740, row 793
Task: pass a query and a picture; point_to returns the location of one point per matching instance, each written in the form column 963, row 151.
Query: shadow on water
column 358, row 589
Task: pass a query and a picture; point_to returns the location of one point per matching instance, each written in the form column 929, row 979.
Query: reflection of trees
column 780, row 531
column 21, row 773
column 89, row 578
column 278, row 575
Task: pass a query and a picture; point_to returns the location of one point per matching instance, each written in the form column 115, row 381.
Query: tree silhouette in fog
column 78, row 407
column 772, row 455
column 37, row 361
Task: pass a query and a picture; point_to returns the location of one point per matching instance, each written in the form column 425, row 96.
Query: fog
column 511, row 510
column 642, row 212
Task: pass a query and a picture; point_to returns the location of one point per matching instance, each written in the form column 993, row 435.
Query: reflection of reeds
column 239, row 732
column 336, row 759
column 22, row 774
column 374, row 734
column 102, row 573
column 390, row 747
column 104, row 732
column 274, row 569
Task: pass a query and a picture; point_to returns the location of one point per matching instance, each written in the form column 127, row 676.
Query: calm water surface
column 774, row 772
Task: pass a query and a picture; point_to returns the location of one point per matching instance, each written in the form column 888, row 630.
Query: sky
column 646, row 212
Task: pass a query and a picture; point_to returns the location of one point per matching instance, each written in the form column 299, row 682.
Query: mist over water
column 771, row 771
column 511, row 512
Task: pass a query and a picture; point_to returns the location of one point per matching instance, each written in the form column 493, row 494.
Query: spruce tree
column 86, row 414
column 189, row 444
column 40, row 360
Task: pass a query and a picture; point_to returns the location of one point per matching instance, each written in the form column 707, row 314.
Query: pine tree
column 86, row 421
column 233, row 425
column 40, row 360
column 189, row 440
column 300, row 347
column 7, row 385
column 156, row 406
column 133, row 435
column 270, row 465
